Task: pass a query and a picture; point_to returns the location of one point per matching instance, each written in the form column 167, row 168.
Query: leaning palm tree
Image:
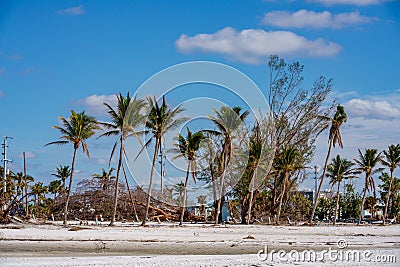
column 287, row 163
column 76, row 130
column 392, row 161
column 160, row 120
column 367, row 164
column 227, row 121
column 104, row 178
column 335, row 137
column 187, row 148
column 124, row 120
column 340, row 169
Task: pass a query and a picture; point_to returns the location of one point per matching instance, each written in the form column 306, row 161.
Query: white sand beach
column 196, row 245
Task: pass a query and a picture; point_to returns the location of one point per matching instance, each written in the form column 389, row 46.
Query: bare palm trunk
column 222, row 184
column 221, row 193
column 185, row 194
column 388, row 196
column 321, row 182
column 362, row 206
column 151, row 181
column 337, row 203
column 69, row 187
column 281, row 198
column 274, row 196
column 251, row 198
column 130, row 194
column 121, row 149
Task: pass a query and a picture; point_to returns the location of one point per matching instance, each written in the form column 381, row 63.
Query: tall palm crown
column 288, row 161
column 160, row 120
column 367, row 164
column 187, row 148
column 340, row 169
column 62, row 172
column 335, row 137
column 338, row 119
column 392, row 157
column 124, row 120
column 228, row 120
column 76, row 130
column 392, row 161
column 105, row 177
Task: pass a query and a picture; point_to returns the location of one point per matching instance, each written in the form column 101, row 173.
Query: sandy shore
column 191, row 245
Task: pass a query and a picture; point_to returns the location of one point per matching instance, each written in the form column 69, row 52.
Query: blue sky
column 62, row 55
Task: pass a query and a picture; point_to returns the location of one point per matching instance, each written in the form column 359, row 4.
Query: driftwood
column 173, row 215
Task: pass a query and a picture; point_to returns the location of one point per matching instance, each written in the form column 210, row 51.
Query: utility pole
column 5, row 160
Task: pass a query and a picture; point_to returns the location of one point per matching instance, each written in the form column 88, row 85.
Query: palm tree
column 255, row 149
column 19, row 180
column 54, row 188
column 367, row 163
column 105, row 177
column 392, row 161
column 38, row 191
column 25, row 184
column 202, row 200
column 335, row 137
column 339, row 170
column 160, row 120
column 287, row 163
column 187, row 148
column 179, row 188
column 62, row 172
column 76, row 130
column 227, row 121
column 124, row 120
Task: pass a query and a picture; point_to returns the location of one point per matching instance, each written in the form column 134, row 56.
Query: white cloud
column 253, row 46
column 372, row 109
column 94, row 104
column 73, row 11
column 350, row 2
column 305, row 18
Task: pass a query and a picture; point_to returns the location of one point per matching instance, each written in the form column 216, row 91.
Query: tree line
column 265, row 188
